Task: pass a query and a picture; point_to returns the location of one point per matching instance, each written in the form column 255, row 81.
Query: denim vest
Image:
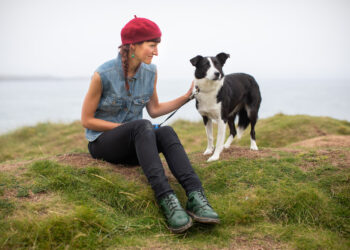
column 116, row 103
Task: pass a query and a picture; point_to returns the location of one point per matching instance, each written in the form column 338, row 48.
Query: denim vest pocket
column 138, row 104
column 112, row 104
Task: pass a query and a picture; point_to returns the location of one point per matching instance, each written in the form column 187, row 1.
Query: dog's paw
column 213, row 158
column 253, row 145
column 208, row 151
column 227, row 145
column 228, row 142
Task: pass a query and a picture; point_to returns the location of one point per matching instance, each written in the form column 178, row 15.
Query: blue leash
column 156, row 126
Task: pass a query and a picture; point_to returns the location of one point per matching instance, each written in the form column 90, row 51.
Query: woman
column 112, row 116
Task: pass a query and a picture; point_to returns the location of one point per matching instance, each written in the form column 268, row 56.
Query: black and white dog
column 221, row 98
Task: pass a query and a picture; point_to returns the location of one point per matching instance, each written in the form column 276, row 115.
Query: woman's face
column 145, row 51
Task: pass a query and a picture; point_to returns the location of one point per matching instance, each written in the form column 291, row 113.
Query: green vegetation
column 277, row 131
column 279, row 197
column 42, row 140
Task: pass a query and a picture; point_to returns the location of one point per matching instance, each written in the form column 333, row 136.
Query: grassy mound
column 279, row 197
column 277, row 131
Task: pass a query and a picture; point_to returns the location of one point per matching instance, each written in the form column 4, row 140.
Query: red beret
column 138, row 30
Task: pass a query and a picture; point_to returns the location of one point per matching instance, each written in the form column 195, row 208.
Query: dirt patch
column 81, row 160
column 130, row 172
column 339, row 158
column 9, row 193
column 330, row 148
column 334, row 141
column 333, row 153
column 256, row 244
column 236, row 152
column 38, row 197
column 245, row 152
column 16, row 166
column 335, row 157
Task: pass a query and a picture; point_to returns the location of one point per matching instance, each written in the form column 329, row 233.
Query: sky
column 275, row 39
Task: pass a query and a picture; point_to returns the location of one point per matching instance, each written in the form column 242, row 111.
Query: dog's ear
column 222, row 57
column 196, row 59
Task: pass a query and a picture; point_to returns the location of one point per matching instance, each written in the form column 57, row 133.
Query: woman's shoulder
column 107, row 66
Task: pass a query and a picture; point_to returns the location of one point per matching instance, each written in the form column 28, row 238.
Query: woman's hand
column 190, row 91
column 156, row 109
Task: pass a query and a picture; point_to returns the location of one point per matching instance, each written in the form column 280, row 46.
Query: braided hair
column 124, row 51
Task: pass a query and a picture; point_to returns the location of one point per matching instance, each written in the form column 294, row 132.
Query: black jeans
column 138, row 143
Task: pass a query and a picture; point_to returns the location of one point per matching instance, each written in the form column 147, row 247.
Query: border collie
column 221, row 98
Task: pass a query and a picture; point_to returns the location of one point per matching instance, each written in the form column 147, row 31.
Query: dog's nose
column 217, row 74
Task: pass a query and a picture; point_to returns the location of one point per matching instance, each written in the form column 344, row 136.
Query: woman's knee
column 166, row 133
column 143, row 124
column 142, row 127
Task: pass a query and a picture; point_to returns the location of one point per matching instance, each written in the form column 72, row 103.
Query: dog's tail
column 244, row 120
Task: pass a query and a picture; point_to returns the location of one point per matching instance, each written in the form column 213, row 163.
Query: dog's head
column 209, row 67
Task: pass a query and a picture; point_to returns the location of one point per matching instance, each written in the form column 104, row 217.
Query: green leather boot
column 177, row 219
column 199, row 208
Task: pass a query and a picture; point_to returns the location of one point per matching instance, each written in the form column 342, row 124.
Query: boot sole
column 203, row 219
column 182, row 229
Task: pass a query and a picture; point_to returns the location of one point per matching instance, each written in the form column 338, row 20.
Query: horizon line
column 53, row 77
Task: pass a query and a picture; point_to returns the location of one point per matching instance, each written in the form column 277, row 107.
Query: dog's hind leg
column 219, row 141
column 243, row 122
column 209, row 130
column 231, row 124
column 253, row 115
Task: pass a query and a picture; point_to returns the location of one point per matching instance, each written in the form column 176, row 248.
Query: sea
column 26, row 102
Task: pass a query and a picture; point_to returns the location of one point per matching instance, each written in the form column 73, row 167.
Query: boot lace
column 202, row 197
column 172, row 203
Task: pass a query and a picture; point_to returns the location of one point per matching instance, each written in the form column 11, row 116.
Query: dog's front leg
column 219, row 141
column 209, row 131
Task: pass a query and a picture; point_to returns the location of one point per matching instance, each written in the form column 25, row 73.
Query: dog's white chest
column 207, row 105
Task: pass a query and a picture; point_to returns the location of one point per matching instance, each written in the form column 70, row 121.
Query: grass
column 277, row 131
column 282, row 197
column 47, row 139
column 42, row 140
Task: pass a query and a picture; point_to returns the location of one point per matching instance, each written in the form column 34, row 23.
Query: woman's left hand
column 190, row 91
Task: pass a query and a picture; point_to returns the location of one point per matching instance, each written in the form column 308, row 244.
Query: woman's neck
column 134, row 64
